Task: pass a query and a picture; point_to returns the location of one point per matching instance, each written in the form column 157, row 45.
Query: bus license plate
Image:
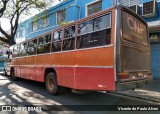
column 140, row 74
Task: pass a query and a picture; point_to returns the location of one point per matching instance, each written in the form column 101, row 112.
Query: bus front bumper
column 131, row 85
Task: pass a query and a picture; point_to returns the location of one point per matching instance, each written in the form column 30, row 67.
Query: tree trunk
column 4, row 40
column 10, row 40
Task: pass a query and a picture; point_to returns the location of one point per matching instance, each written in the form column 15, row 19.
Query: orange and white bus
column 107, row 51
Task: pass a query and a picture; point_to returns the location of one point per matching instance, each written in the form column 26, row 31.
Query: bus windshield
column 133, row 29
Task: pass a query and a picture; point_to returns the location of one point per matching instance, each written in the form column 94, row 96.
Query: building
column 67, row 11
column 72, row 10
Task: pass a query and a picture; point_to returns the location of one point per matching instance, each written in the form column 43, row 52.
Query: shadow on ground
column 27, row 92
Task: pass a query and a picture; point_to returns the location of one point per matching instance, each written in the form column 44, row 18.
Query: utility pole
column 115, row 2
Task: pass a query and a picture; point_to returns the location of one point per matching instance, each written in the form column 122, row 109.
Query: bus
column 106, row 51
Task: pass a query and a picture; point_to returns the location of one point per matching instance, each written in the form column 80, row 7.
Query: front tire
column 52, row 84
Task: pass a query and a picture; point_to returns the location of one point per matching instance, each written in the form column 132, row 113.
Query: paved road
column 25, row 92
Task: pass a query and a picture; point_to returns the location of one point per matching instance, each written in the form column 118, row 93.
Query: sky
column 5, row 23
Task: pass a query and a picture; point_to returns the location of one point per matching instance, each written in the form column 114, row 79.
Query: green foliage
column 1, row 42
column 63, row 23
column 13, row 11
column 36, row 18
column 21, row 25
column 45, row 13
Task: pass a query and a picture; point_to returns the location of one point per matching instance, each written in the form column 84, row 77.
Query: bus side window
column 99, row 36
column 32, row 45
column 44, row 44
column 85, row 27
column 57, row 41
column 15, row 51
column 20, row 49
column 23, row 49
column 69, row 38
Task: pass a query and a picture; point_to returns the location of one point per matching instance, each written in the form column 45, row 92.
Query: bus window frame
column 76, row 34
column 32, row 46
column 23, row 49
column 44, row 43
column 54, row 41
column 68, row 38
column 110, row 27
column 59, row 32
column 95, row 18
column 16, row 50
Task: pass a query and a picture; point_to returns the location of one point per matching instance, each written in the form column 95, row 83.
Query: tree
column 12, row 10
column 3, row 4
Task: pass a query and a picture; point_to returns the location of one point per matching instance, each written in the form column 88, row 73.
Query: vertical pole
column 116, row 2
column 129, row 2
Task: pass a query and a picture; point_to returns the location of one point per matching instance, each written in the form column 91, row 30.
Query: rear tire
column 13, row 75
column 51, row 84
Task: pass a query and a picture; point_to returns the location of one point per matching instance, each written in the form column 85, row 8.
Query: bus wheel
column 52, row 85
column 13, row 75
